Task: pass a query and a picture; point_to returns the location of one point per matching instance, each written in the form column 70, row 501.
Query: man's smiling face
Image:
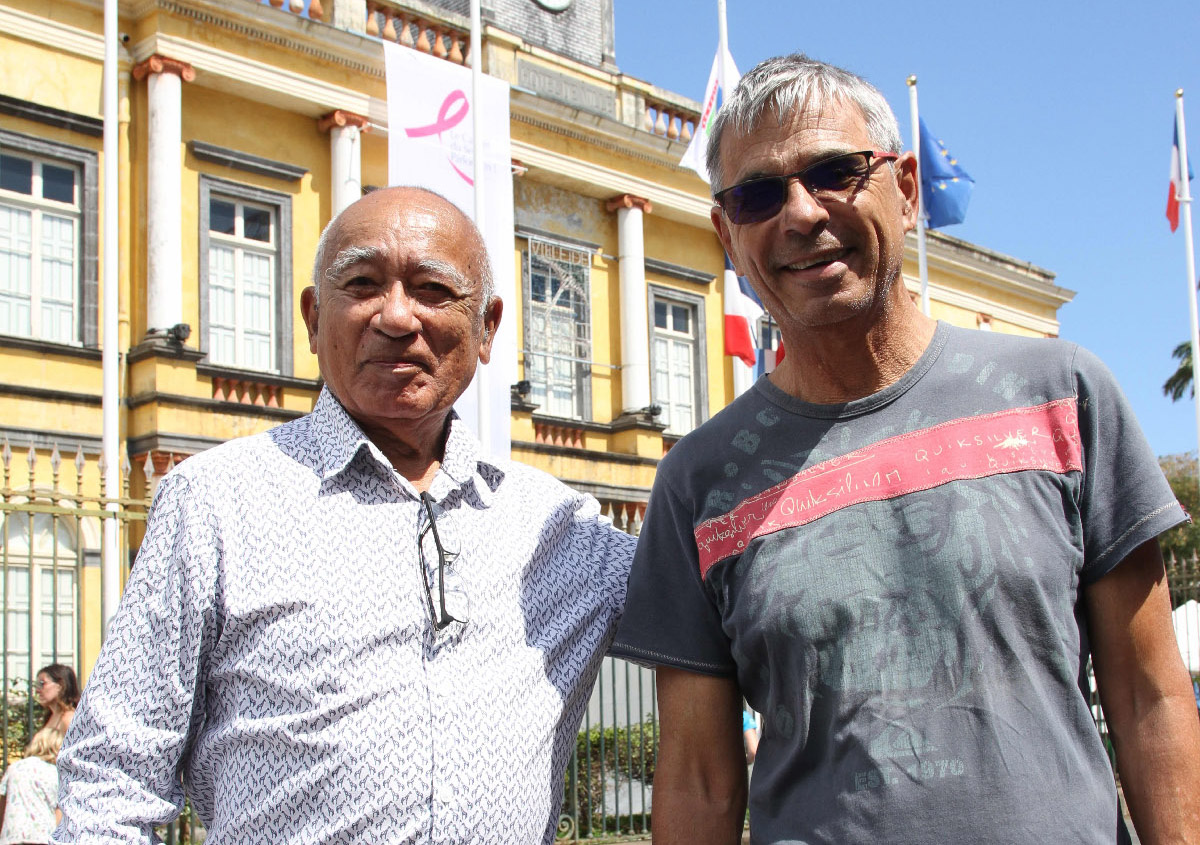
column 400, row 324
column 817, row 264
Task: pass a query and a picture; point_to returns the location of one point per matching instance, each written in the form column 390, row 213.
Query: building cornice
column 596, row 180
column 42, row 30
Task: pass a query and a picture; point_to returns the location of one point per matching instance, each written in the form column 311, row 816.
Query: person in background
column 29, row 792
column 750, row 735
column 57, row 689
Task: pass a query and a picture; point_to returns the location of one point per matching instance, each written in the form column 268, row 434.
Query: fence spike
column 55, row 458
column 80, row 460
column 148, row 466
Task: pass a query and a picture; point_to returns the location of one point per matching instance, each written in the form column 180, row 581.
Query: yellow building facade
column 233, row 117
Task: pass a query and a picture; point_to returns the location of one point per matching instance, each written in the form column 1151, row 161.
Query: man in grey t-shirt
column 904, row 546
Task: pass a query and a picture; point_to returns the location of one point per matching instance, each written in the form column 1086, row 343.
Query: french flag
column 742, row 311
column 1176, row 181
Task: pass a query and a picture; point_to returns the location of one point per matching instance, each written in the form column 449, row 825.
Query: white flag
column 694, row 157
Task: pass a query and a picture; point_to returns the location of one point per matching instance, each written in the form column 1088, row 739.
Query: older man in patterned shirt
column 356, row 627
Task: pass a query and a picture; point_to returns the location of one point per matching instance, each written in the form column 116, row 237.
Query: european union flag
column 946, row 186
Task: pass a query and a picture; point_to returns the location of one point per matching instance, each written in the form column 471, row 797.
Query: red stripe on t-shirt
column 1044, row 437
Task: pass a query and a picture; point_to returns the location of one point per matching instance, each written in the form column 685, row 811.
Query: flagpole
column 110, row 563
column 483, row 428
column 743, row 376
column 1184, row 196
column 722, row 46
column 922, row 261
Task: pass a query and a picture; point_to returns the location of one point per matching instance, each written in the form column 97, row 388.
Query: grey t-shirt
column 896, row 583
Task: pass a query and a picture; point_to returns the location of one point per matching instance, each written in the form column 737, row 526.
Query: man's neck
column 416, row 455
column 840, row 363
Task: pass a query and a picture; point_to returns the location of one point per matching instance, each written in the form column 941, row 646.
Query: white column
column 164, row 191
column 635, row 325
column 345, row 151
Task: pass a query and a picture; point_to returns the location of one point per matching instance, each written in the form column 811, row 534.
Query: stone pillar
column 348, row 14
column 345, row 148
column 164, row 192
column 635, row 325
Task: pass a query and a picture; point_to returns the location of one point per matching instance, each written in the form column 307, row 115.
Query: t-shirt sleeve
column 670, row 618
column 1125, row 498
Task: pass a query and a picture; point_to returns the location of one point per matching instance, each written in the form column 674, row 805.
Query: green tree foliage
column 1181, row 545
column 1181, row 380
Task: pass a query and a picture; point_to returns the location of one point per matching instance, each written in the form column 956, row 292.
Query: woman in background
column 57, row 689
column 29, row 792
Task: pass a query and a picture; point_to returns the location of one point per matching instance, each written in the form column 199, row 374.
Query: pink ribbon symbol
column 445, row 122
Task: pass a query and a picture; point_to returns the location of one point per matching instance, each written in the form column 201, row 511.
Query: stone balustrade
column 245, row 392
column 391, row 22
column 669, row 121
column 313, row 9
column 557, row 434
column 627, row 516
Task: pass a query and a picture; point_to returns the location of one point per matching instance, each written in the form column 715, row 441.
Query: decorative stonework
column 164, row 64
column 629, row 201
column 342, row 118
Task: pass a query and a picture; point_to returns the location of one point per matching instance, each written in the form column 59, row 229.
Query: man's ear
column 491, row 321
column 909, row 187
column 721, row 225
column 308, row 309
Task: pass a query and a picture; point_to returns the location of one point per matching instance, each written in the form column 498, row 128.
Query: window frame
column 281, row 208
column 36, row 606
column 582, row 377
column 87, row 263
column 695, row 303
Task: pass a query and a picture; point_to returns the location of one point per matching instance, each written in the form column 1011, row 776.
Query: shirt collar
column 340, row 439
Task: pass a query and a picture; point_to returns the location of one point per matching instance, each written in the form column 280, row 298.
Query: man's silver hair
column 328, row 267
column 787, row 85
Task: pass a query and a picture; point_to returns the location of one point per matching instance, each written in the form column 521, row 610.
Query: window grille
column 558, row 328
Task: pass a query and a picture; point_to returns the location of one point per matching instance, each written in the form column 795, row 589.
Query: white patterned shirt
column 275, row 648
column 30, row 790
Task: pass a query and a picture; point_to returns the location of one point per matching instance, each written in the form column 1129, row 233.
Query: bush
column 631, row 753
column 22, row 716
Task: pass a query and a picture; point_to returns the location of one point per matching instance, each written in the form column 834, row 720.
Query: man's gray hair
column 327, row 267
column 788, row 85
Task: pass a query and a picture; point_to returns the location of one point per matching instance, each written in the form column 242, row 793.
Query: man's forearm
column 698, row 816
column 700, row 776
column 1159, row 762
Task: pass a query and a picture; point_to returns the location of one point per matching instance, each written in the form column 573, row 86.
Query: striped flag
column 1176, row 181
column 742, row 311
column 694, row 156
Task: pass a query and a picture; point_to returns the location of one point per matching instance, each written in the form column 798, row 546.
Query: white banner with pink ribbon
column 430, row 144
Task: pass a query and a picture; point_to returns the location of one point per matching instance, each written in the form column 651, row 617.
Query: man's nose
column 801, row 211
column 397, row 315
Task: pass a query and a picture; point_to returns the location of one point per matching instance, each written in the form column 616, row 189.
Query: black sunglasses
column 834, row 178
column 440, row 616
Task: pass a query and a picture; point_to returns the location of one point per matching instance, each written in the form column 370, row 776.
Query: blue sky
column 1063, row 119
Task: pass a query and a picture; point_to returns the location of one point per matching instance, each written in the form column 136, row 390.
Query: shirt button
column 443, row 793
